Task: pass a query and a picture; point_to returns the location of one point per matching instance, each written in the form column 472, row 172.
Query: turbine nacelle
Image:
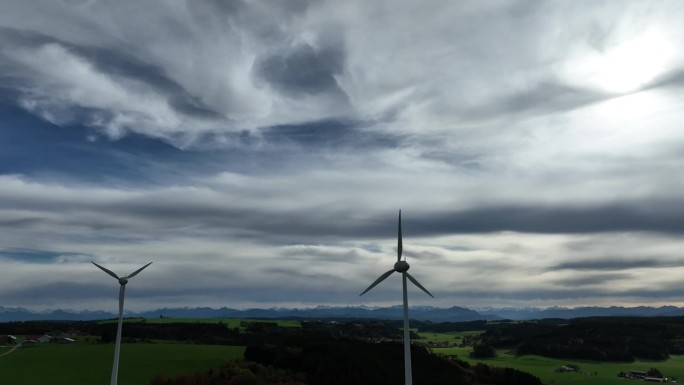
column 117, row 345
column 401, row 266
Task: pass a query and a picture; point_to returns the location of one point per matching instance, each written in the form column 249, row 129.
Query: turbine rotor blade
column 138, row 271
column 399, row 241
column 415, row 282
column 106, row 270
column 377, row 281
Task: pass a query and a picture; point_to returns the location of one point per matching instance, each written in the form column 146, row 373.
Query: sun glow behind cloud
column 629, row 65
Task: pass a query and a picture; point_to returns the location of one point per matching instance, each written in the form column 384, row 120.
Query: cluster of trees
column 334, row 361
column 41, row 327
column 330, row 353
column 201, row 333
column 483, row 351
column 367, row 330
column 254, row 332
column 234, row 373
column 596, row 338
column 446, row 327
column 319, row 352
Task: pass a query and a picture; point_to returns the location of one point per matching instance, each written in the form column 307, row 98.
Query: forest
column 612, row 339
column 317, row 353
column 370, row 352
column 328, row 355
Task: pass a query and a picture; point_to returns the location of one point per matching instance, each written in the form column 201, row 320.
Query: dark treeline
column 202, row 333
column 371, row 329
column 46, row 327
column 425, row 326
column 254, row 333
column 596, row 338
column 445, row 327
column 318, row 356
column 234, row 373
column 319, row 352
column 344, row 361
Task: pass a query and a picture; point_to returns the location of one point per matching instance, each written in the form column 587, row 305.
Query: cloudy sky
column 259, row 152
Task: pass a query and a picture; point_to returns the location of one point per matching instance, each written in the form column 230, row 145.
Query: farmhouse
column 8, row 339
column 39, row 339
column 639, row 375
column 44, row 339
column 649, row 376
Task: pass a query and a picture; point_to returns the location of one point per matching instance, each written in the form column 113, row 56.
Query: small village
column 34, row 340
column 652, row 375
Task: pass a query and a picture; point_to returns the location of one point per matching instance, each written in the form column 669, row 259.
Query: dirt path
column 11, row 350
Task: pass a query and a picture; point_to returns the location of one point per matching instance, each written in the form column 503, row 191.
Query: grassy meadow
column 592, row 372
column 83, row 363
column 90, row 363
column 452, row 338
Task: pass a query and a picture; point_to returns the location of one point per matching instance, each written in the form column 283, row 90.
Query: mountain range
column 425, row 313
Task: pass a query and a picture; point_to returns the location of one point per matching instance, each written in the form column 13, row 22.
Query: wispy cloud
column 240, row 143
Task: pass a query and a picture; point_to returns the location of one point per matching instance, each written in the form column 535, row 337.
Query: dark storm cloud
column 615, row 264
column 553, row 294
column 527, row 295
column 55, row 292
column 592, row 280
column 212, row 209
column 667, row 217
column 236, row 7
column 303, row 69
column 330, row 134
column 323, row 254
column 34, row 256
column 24, row 222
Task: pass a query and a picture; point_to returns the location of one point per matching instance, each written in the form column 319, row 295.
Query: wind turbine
column 401, row 266
column 117, row 347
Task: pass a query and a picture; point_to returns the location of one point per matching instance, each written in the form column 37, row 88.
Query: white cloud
column 469, row 108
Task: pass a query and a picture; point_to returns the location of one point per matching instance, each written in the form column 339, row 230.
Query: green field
column 86, row 363
column 91, row 364
column 592, row 372
column 452, row 338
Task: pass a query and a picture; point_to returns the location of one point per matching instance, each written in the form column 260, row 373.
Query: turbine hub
column 401, row 266
column 123, row 280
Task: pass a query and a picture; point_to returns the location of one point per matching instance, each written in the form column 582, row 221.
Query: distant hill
column 422, row 313
column 9, row 314
column 580, row 312
column 452, row 314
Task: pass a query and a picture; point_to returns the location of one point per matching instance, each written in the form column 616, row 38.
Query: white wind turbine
column 117, row 347
column 402, row 267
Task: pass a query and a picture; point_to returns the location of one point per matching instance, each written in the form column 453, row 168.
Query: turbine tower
column 401, row 266
column 117, row 346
